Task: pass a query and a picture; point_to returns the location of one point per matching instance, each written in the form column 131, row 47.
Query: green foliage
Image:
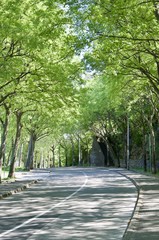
column 79, row 68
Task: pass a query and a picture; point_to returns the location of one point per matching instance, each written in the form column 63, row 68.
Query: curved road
column 70, row 204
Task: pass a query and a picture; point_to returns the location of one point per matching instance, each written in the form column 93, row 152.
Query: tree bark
column 15, row 145
column 31, row 148
column 145, row 152
column 66, row 157
column 42, row 159
column 59, row 152
column 53, row 155
column 73, row 153
column 20, row 155
column 153, row 145
column 3, row 138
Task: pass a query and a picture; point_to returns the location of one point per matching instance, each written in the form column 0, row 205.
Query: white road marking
column 44, row 212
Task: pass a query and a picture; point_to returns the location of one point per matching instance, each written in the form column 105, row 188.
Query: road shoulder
column 145, row 218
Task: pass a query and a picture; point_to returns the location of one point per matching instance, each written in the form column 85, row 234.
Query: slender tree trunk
column 125, row 151
column 150, row 151
column 108, row 155
column 152, row 142
column 31, row 148
column 79, row 151
column 15, row 145
column 118, row 160
column 3, row 139
column 35, row 157
column 59, row 156
column 73, row 153
column 42, row 159
column 87, row 155
column 20, row 155
column 66, row 157
column 53, row 155
column 153, row 146
column 144, row 152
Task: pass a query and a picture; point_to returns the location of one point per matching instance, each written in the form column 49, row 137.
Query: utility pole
column 79, row 151
column 128, row 144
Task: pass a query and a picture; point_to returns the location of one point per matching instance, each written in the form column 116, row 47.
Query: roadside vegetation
column 71, row 70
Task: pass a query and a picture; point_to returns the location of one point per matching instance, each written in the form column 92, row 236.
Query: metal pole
column 128, row 144
column 79, row 151
column 150, row 152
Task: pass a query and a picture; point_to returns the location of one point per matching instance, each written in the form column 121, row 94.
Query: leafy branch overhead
column 75, row 67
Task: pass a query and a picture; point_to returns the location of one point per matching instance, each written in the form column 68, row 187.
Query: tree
column 4, row 123
column 18, row 115
column 37, row 128
column 34, row 54
column 120, row 42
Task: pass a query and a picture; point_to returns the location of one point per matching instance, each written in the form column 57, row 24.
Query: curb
column 19, row 189
column 138, row 204
column 135, row 214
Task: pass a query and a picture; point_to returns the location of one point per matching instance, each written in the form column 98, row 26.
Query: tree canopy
column 79, row 68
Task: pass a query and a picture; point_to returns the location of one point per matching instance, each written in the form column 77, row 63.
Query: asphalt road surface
column 70, row 204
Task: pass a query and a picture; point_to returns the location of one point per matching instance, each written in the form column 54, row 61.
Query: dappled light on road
column 51, row 210
column 146, row 219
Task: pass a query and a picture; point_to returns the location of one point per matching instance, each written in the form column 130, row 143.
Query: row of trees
column 39, row 74
column 66, row 150
column 122, row 40
column 73, row 67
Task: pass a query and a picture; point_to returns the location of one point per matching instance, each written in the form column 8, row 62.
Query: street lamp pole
column 79, row 151
column 128, row 144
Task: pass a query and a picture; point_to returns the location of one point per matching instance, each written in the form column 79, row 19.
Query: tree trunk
column 3, row 139
column 15, row 145
column 108, row 154
column 73, row 153
column 66, row 157
column 35, row 157
column 42, row 159
column 125, row 150
column 53, row 155
column 153, row 147
column 31, row 148
column 145, row 152
column 20, row 156
column 59, row 156
column 87, row 155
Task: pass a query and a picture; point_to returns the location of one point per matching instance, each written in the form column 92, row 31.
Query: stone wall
column 134, row 163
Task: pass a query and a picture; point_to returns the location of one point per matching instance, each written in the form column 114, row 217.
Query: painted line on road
column 49, row 210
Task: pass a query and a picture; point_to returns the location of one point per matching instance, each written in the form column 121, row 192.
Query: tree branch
column 100, row 35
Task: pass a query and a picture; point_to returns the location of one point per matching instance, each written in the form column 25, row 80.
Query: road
column 70, row 203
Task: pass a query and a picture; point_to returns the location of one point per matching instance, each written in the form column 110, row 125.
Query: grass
column 16, row 169
column 141, row 170
column 5, row 171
